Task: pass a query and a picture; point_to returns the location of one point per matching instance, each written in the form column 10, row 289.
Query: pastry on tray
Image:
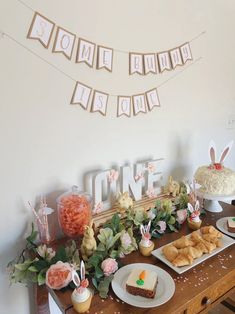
column 142, row 283
column 231, row 224
column 184, row 250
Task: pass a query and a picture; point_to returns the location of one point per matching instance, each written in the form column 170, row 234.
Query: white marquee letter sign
column 164, row 61
column 186, row 52
column 81, row 95
column 136, row 63
column 139, row 104
column 124, row 106
column 150, row 63
column 128, row 181
column 41, row 29
column 176, row 58
column 99, row 102
column 105, row 58
column 64, row 42
column 85, row 52
column 152, row 99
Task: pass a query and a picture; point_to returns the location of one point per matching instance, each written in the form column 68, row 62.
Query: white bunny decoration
column 194, row 221
column 224, row 154
column 146, row 245
column 81, row 296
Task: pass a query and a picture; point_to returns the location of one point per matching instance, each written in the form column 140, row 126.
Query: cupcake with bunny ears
column 81, row 296
column 194, row 221
column 146, row 245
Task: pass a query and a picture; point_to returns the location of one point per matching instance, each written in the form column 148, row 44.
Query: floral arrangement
column 118, row 237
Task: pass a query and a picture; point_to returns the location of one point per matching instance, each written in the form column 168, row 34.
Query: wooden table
column 197, row 290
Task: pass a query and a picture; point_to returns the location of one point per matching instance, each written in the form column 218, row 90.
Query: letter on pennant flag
column 81, row 95
column 64, row 42
column 136, row 64
column 186, row 52
column 152, row 99
column 99, row 102
column 85, row 52
column 150, row 63
column 124, row 106
column 41, row 29
column 105, row 58
column 164, row 61
column 139, row 104
column 176, row 58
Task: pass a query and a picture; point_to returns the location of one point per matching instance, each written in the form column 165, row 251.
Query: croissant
column 195, row 236
column 182, row 242
column 210, row 246
column 192, row 251
column 201, row 247
column 170, row 252
column 182, row 260
column 208, row 229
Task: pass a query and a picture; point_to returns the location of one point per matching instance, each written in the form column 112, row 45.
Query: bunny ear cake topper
column 212, row 153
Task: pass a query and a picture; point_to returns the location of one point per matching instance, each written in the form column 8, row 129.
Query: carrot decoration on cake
column 142, row 276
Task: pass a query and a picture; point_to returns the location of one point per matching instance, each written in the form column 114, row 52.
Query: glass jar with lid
column 74, row 212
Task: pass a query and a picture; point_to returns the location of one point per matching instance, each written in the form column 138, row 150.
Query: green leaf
column 60, row 256
column 95, row 283
column 172, row 228
column 103, row 286
column 114, row 254
column 33, row 269
column 42, row 277
column 24, row 266
column 171, row 220
column 98, row 272
column 40, row 264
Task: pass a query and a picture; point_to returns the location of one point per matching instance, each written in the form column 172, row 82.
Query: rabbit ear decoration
column 212, row 151
column 75, row 278
column 142, row 231
column 148, row 226
column 197, row 205
column 190, row 208
column 82, row 270
column 226, row 151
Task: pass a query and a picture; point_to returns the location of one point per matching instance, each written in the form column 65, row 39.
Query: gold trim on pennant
column 92, row 103
column 166, row 69
column 138, row 54
column 31, row 28
column 87, row 41
column 74, row 92
column 148, row 104
column 140, row 111
column 61, row 51
column 155, row 62
column 124, row 114
column 98, row 55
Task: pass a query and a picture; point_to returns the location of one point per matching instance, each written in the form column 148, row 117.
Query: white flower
column 45, row 252
column 151, row 215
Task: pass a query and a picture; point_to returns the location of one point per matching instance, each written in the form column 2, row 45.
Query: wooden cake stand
column 211, row 203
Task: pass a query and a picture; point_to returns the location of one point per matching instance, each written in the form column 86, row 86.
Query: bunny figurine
column 194, row 221
column 146, row 245
column 81, row 296
column 88, row 242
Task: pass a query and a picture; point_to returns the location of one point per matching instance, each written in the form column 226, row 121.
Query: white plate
column 165, row 286
column 221, row 224
column 226, row 241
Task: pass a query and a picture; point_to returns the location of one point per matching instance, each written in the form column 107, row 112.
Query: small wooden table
column 197, row 290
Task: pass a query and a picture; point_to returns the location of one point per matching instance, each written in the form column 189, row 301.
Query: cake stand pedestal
column 212, row 201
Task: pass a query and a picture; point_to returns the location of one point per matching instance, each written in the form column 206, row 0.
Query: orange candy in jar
column 74, row 212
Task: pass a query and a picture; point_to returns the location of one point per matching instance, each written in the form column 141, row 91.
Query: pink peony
column 181, row 215
column 59, row 275
column 109, row 266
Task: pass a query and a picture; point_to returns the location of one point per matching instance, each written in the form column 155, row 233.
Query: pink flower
column 109, row 266
column 113, row 175
column 151, row 193
column 139, row 176
column 181, row 215
column 59, row 275
column 151, row 167
column 98, row 207
column 162, row 226
column 126, row 240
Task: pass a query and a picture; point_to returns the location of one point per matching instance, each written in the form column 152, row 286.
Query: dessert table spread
column 196, row 291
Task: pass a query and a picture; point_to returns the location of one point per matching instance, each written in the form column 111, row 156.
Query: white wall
column 47, row 145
